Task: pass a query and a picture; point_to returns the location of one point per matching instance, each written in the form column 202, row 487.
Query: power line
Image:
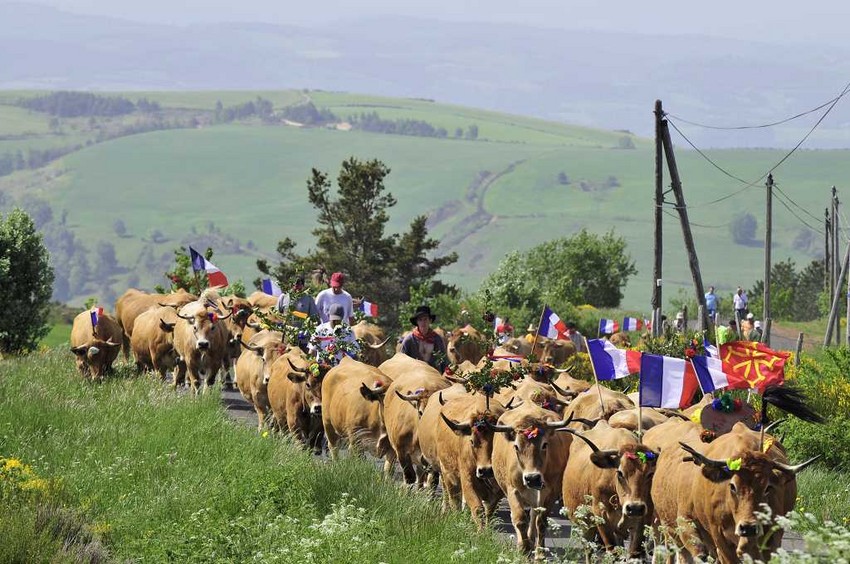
column 800, row 219
column 671, row 214
column 801, row 208
column 765, row 125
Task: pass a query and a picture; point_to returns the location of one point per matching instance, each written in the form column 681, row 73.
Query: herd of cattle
column 549, row 437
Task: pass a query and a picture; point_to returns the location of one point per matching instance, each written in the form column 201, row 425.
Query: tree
column 743, row 229
column 625, row 142
column 563, row 179
column 472, row 132
column 351, row 238
column 119, row 228
column 105, row 262
column 26, row 278
column 794, row 296
column 458, row 132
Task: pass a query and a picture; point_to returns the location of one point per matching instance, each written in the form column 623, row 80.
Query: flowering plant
column 726, row 404
column 643, row 456
column 328, row 346
column 490, row 380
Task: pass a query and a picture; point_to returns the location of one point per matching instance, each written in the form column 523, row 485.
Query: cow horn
column 294, row 368
column 248, row 346
column 456, row 379
column 186, row 317
column 79, row 350
column 562, row 370
column 243, row 313
column 699, row 458
column 173, row 306
column 440, row 397
column 559, row 424
column 408, row 397
column 586, row 422
column 220, row 317
column 510, row 404
column 455, row 426
column 566, row 393
column 499, row 428
column 381, row 345
column 254, row 325
column 797, row 467
column 673, row 413
column 592, row 446
column 774, row 424
column 109, row 343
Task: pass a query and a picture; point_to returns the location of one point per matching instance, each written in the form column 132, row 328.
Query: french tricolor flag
column 215, row 276
column 667, row 382
column 96, row 314
column 551, row 325
column 271, row 288
column 608, row 326
column 369, row 308
column 632, row 324
column 611, row 363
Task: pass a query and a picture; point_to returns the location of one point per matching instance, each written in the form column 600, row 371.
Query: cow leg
column 452, row 489
column 407, row 468
column 125, row 347
column 473, row 501
column 333, row 441
column 519, row 518
column 261, row 417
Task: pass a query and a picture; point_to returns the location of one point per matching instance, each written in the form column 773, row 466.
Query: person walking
column 740, row 303
column 335, row 294
column 711, row 304
column 423, row 343
column 334, row 338
column 302, row 306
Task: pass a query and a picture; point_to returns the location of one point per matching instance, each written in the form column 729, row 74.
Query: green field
column 249, row 180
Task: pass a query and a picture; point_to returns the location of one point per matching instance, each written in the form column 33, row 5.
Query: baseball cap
column 336, row 312
column 337, row 279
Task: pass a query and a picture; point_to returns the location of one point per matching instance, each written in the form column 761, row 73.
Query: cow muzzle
column 203, row 345
column 316, row 409
column 747, row 530
column 634, row 509
column 483, row 472
column 533, row 480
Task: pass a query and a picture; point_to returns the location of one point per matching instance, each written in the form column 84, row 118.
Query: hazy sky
column 779, row 20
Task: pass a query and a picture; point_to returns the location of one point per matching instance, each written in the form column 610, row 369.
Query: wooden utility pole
column 836, row 246
column 833, row 311
column 768, row 237
column 659, row 201
column 693, row 260
column 827, row 259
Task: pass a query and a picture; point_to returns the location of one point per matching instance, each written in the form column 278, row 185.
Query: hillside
column 240, row 186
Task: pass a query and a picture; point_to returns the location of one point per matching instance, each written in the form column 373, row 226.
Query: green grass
column 166, row 477
column 60, row 335
column 250, row 179
column 825, row 493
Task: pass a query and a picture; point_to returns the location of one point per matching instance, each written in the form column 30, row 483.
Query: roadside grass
column 60, row 334
column 161, row 476
column 825, row 493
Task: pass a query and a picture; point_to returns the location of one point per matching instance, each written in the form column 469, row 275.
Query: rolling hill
column 241, row 186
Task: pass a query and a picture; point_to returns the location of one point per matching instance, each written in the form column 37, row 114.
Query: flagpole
column 537, row 331
column 598, row 388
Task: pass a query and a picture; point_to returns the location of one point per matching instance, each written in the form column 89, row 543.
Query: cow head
column 310, row 375
column 93, row 356
column 203, row 324
column 479, row 428
column 418, row 398
column 268, row 353
column 548, row 400
column 465, row 344
column 752, row 480
column 530, row 440
column 374, row 393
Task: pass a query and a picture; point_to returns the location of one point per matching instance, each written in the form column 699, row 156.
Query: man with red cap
column 335, row 295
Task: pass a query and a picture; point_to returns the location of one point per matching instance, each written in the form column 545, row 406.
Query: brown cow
column 620, row 340
column 528, row 460
column 295, row 396
column 618, row 479
column 466, row 343
column 240, row 311
column 133, row 303
column 95, row 346
column 464, row 441
column 555, row 351
column 153, row 340
column 200, row 340
column 628, row 419
column 413, row 383
column 374, row 341
column 353, row 409
column 567, row 382
column 428, row 425
column 253, row 371
column 723, row 498
column 518, row 346
column 587, row 404
column 262, row 300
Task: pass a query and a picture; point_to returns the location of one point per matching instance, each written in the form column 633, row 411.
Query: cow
column 253, row 371
column 466, row 343
column 529, row 457
column 133, row 303
column 373, row 339
column 240, row 311
column 618, row 478
column 722, row 498
column 555, row 351
column 620, row 340
column 200, row 340
column 295, row 396
column 519, row 346
column 428, row 425
column 587, row 405
column 529, row 389
column 628, row 419
column 153, row 340
column 353, row 409
column 464, row 441
column 567, row 382
column 95, row 346
column 413, row 382
column 262, row 301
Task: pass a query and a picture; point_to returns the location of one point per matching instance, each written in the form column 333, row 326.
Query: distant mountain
column 605, row 80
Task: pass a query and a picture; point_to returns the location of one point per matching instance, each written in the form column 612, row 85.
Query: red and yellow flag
column 749, row 364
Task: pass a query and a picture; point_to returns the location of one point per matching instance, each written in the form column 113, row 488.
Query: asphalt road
column 558, row 533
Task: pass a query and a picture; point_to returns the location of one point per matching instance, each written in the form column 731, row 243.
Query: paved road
column 558, row 534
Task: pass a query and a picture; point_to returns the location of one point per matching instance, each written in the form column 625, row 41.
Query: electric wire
column 762, row 126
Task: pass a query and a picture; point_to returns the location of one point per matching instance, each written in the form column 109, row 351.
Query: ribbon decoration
column 531, row 433
column 733, row 465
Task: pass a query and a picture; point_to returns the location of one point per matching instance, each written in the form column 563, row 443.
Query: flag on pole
column 608, row 326
column 215, row 276
column 271, row 288
column 369, row 308
column 740, row 365
column 666, row 382
column 551, row 325
column 611, row 363
column 96, row 313
column 632, row 324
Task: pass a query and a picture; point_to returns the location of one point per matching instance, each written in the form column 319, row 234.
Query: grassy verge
column 159, row 477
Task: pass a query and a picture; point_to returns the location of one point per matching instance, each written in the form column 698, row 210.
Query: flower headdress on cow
column 489, row 381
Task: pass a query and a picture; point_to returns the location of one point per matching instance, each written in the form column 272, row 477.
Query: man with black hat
column 576, row 337
column 423, row 343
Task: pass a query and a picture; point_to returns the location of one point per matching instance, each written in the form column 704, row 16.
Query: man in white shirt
column 335, row 295
column 334, row 339
column 740, row 303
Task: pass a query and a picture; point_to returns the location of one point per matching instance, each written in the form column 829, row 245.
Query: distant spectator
column 576, row 337
column 740, row 303
column 728, row 333
column 679, row 324
column 758, row 329
column 711, row 303
column 747, row 324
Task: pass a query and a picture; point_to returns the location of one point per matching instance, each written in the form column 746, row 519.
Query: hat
column 750, row 316
column 680, row 315
column 721, row 422
column 336, row 312
column 337, row 279
column 420, row 311
column 531, row 328
column 732, row 322
column 757, row 325
column 570, row 324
